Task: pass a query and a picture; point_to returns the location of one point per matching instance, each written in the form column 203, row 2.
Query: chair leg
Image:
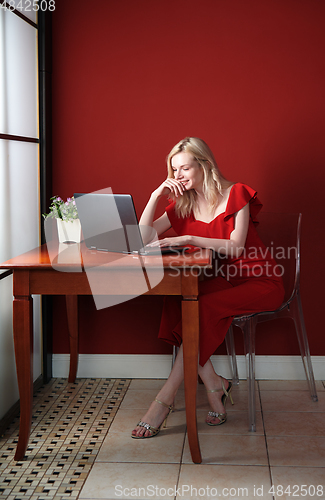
column 298, row 317
column 249, row 341
column 230, row 346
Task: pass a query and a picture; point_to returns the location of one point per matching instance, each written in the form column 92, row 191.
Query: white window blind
column 19, row 180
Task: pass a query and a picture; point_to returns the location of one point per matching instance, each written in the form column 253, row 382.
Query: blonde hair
column 213, row 180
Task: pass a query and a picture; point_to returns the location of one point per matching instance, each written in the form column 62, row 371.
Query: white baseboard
column 159, row 365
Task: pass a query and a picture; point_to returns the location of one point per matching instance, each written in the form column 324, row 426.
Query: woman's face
column 187, row 171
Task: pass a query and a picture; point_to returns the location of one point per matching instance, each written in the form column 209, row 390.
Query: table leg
column 190, row 327
column 23, row 339
column 72, row 313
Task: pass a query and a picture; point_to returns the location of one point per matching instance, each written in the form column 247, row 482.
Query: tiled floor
column 70, row 422
column 81, row 446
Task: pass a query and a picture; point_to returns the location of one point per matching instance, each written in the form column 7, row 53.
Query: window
column 19, row 174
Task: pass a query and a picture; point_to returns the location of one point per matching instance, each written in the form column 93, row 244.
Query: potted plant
column 66, row 215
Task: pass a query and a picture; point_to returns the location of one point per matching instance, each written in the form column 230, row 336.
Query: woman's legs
column 157, row 413
column 213, row 382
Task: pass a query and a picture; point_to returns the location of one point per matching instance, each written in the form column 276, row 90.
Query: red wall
column 133, row 77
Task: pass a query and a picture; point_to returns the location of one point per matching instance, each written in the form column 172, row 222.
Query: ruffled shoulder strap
column 239, row 196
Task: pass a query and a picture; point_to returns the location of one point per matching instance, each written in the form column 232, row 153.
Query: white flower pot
column 69, row 231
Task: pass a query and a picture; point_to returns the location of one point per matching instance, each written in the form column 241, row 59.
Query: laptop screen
column 109, row 222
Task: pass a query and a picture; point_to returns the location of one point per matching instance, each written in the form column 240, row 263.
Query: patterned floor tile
column 69, row 424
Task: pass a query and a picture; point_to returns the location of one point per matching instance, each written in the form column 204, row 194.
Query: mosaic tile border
column 70, row 422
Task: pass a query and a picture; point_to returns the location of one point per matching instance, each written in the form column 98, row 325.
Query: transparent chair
column 281, row 234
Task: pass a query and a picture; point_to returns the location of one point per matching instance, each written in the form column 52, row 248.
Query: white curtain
column 19, row 181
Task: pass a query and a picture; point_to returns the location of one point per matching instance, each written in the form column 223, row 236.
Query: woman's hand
column 173, row 241
column 170, row 185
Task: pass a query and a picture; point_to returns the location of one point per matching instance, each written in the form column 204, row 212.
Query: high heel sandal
column 154, row 430
column 226, row 393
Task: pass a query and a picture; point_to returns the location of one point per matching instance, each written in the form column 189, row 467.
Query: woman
column 207, row 211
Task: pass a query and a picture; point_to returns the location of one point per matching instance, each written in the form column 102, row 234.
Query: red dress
column 237, row 286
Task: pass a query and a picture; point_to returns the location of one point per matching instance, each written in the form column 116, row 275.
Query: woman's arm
column 147, row 218
column 231, row 248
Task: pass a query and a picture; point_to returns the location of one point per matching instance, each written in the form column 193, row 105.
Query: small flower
column 64, row 210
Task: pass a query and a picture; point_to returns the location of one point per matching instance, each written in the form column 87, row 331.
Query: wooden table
column 48, row 271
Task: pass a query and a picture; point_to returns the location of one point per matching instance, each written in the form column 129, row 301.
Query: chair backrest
column 280, row 232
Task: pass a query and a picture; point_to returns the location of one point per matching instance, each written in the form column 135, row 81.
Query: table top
column 78, row 256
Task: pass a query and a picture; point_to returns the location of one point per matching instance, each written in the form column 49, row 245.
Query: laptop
column 109, row 223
